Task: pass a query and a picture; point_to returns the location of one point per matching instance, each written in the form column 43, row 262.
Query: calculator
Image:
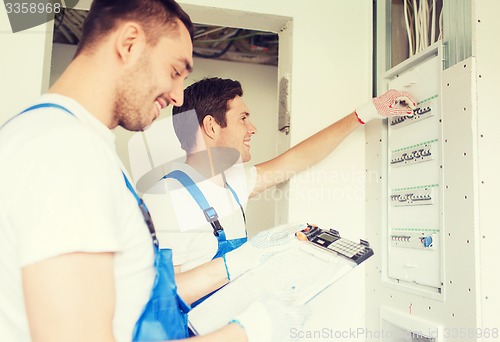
column 331, row 241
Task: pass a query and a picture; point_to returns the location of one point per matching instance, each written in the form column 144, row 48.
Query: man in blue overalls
column 199, row 204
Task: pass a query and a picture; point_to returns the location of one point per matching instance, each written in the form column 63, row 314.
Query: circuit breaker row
column 423, row 195
column 424, row 111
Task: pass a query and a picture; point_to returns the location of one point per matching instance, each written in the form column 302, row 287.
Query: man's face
column 239, row 129
column 155, row 81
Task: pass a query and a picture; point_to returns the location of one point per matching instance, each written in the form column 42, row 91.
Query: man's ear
column 210, row 127
column 130, row 41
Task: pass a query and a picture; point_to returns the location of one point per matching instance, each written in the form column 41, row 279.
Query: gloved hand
column 258, row 249
column 271, row 319
column 391, row 103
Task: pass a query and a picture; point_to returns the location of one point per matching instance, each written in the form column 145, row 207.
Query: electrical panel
column 414, row 164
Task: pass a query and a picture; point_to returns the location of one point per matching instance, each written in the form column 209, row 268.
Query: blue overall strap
column 46, row 105
column 209, row 212
column 37, row 106
column 144, row 211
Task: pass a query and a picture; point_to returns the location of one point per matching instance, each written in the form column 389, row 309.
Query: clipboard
column 304, row 270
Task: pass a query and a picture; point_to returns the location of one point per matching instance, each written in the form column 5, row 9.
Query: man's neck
column 91, row 88
column 202, row 162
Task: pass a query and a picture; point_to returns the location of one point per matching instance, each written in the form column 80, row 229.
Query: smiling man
column 199, row 206
column 79, row 257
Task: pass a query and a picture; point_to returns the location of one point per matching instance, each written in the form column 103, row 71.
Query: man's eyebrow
column 187, row 65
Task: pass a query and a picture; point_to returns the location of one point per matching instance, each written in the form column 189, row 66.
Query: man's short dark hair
column 210, row 96
column 153, row 15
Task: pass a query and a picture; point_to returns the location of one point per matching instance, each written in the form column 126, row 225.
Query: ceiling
column 214, row 42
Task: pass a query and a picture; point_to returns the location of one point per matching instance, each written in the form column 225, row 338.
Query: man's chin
column 245, row 159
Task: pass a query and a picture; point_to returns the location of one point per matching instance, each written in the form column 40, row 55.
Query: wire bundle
column 228, row 37
column 420, row 20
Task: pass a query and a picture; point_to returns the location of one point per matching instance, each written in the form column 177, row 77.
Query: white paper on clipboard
column 305, row 268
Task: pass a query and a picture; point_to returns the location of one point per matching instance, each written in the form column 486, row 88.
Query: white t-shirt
column 62, row 191
column 180, row 222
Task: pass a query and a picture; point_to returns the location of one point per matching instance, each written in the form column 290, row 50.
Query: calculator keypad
column 346, row 247
column 331, row 240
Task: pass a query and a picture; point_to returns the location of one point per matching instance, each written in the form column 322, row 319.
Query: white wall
column 62, row 54
column 331, row 52
column 23, row 67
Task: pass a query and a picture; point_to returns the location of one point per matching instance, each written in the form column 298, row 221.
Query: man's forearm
column 202, row 280
column 305, row 154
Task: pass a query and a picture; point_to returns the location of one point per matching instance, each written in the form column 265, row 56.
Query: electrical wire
column 417, row 26
column 58, row 25
column 221, row 52
column 425, row 23
column 408, row 30
column 433, row 22
column 72, row 23
column 420, row 21
column 441, row 35
column 233, row 38
column 208, row 32
column 412, row 24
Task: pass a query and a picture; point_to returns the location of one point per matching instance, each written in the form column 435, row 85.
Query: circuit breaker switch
column 421, row 111
column 427, row 241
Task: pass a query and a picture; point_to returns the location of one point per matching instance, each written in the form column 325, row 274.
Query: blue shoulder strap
column 144, row 210
column 238, row 201
column 37, row 106
column 195, row 192
column 46, row 105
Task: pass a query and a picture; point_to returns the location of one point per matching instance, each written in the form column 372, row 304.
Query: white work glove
column 258, row 249
column 271, row 319
column 391, row 103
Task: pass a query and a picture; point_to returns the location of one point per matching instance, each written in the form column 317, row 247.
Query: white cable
column 411, row 21
column 208, row 32
column 421, row 14
column 441, row 36
column 412, row 27
column 423, row 26
column 408, row 29
column 425, row 23
column 416, row 26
